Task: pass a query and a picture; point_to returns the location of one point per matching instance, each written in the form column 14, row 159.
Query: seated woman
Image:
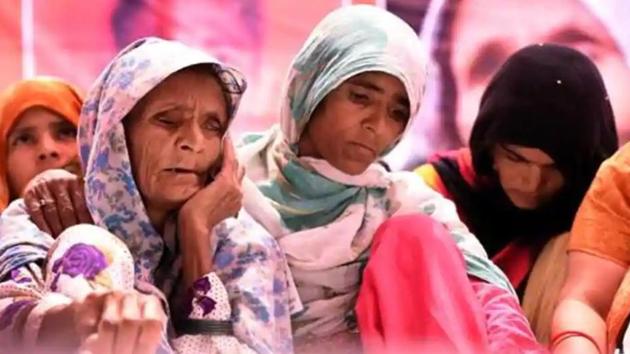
column 352, row 91
column 162, row 185
column 544, row 126
column 593, row 311
column 38, row 119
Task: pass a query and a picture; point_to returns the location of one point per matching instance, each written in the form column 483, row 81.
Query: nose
column 530, row 181
column 48, row 148
column 191, row 137
column 374, row 121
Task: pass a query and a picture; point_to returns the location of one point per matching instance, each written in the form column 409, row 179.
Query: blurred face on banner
column 229, row 29
column 485, row 33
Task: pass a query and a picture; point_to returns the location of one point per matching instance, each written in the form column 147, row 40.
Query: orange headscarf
column 54, row 94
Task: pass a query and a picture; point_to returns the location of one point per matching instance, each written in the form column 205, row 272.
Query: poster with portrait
column 75, row 39
column 468, row 40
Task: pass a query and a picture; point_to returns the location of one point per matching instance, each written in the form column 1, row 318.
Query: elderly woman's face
column 357, row 122
column 174, row 137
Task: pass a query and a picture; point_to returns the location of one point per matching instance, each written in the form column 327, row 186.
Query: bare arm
column 584, row 303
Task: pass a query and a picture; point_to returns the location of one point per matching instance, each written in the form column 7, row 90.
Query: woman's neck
column 158, row 217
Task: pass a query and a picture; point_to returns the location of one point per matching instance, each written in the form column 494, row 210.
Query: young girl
column 545, row 125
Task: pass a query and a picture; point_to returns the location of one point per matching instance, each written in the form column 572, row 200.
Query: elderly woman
column 162, row 185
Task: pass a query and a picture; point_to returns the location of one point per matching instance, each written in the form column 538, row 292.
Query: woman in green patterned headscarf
column 352, row 91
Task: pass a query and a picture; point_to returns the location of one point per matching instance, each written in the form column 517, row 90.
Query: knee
column 418, row 231
column 246, row 245
column 84, row 233
column 93, row 253
column 90, row 236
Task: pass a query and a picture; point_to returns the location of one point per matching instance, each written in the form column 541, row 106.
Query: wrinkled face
column 528, row 176
column 357, row 122
column 40, row 140
column 174, row 137
column 485, row 35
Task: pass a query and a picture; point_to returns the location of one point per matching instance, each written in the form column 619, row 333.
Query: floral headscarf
column 111, row 192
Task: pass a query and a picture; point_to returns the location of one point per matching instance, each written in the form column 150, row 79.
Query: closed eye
column 213, row 124
column 166, row 120
column 513, row 156
column 359, row 98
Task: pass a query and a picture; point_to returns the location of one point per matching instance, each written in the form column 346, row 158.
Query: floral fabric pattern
column 138, row 256
column 81, row 259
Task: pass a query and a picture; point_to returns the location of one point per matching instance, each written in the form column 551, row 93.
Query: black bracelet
column 193, row 327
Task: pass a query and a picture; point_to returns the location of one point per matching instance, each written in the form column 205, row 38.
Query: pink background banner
column 467, row 41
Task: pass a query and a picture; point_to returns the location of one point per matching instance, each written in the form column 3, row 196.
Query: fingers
column 90, row 345
column 63, row 202
column 34, row 209
column 230, row 202
column 130, row 324
column 235, row 205
column 241, row 174
column 88, row 314
column 53, row 201
column 49, row 209
column 154, row 319
column 110, row 321
column 77, row 193
column 229, row 164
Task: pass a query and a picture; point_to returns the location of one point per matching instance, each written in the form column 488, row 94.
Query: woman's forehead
column 381, row 82
column 187, row 83
column 531, row 154
column 185, row 92
column 37, row 116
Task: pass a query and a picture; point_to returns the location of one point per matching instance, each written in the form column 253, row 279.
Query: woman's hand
column 221, row 198
column 111, row 322
column 55, row 200
column 216, row 202
column 130, row 323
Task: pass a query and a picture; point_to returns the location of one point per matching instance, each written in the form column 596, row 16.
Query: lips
column 184, row 172
column 365, row 148
column 180, row 170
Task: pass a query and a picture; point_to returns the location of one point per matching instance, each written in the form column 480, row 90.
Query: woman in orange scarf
column 594, row 307
column 38, row 119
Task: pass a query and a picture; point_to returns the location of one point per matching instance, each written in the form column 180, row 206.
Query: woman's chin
column 524, row 204
column 175, row 198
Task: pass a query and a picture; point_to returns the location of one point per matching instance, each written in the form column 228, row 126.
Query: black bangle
column 193, row 327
